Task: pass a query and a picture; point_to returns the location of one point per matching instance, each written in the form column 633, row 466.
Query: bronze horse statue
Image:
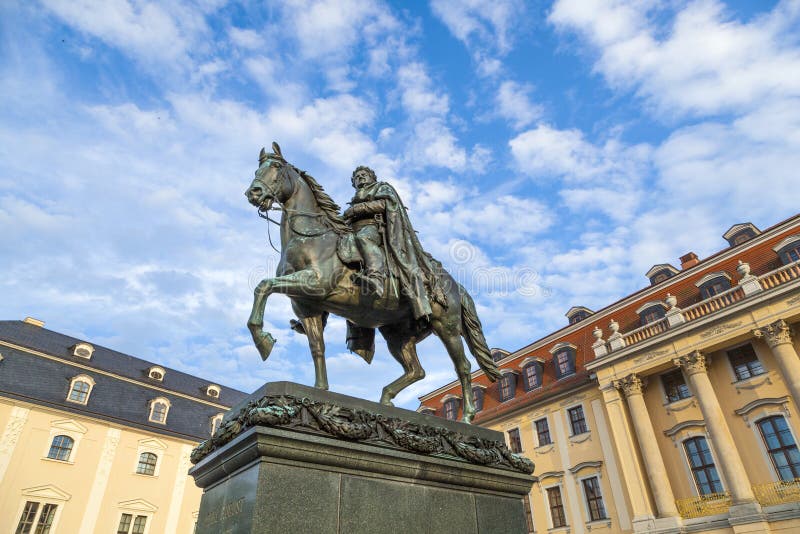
column 318, row 282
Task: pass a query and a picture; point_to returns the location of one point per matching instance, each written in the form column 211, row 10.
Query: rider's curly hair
column 362, row 168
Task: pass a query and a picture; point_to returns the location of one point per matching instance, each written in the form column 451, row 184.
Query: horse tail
column 473, row 334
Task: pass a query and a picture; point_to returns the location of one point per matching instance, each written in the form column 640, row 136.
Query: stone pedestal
column 295, row 459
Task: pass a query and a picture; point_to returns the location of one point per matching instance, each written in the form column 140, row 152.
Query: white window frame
column 65, row 427
column 518, row 428
column 152, row 445
column 47, row 494
column 560, row 486
column 81, row 378
column 152, row 406
column 216, row 422
column 688, row 466
column 732, row 371
column 568, row 421
column 597, row 473
column 763, row 412
column 213, row 391
column 156, row 369
column 136, row 507
column 85, row 346
column 536, row 433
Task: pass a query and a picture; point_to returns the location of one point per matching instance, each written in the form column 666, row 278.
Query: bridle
column 263, row 211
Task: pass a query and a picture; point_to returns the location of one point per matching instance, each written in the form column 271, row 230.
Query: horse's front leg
column 316, row 342
column 301, row 283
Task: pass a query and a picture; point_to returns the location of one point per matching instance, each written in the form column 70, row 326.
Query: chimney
column 34, row 322
column 689, row 260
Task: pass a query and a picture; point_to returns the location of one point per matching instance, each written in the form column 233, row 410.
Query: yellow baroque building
column 674, row 409
column 93, row 440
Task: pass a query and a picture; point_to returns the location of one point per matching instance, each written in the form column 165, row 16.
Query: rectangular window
column 526, row 503
column 515, row 443
column 138, row 524
column 675, row 386
column 702, row 463
column 565, row 364
column 594, row 499
column 531, row 373
column 543, row 432
column 793, row 254
column 507, row 385
column 28, row 517
column 124, row 524
column 745, row 362
column 46, row 519
column 556, row 507
column 451, row 409
column 577, row 420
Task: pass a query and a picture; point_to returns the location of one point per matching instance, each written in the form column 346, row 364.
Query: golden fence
column 779, row 492
column 713, row 503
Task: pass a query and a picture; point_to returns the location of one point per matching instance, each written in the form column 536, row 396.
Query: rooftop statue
column 367, row 266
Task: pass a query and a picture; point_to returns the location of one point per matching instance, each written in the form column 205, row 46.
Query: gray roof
column 38, row 380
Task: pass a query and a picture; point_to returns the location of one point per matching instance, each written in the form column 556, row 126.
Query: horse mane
column 325, row 203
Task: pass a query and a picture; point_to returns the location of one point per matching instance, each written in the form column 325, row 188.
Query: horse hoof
column 468, row 417
column 264, row 343
column 321, row 386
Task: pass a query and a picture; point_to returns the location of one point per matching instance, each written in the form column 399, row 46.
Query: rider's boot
column 374, row 281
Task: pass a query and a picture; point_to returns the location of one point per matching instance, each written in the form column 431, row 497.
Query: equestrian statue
column 367, row 266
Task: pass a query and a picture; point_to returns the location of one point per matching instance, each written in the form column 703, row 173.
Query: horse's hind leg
column 316, row 341
column 451, row 337
column 403, row 347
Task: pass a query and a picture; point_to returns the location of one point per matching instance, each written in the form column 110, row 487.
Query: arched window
column 781, row 446
column 61, row 448
column 702, row 464
column 158, row 410
column 80, row 388
column 789, row 249
column 147, row 464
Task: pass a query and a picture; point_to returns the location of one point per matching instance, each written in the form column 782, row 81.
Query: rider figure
column 364, row 215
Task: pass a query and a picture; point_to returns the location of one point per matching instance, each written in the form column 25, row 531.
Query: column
column 626, row 452
column 778, row 336
column 694, row 364
column 632, row 387
column 98, row 491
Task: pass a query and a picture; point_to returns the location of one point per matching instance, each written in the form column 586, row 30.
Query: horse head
column 270, row 183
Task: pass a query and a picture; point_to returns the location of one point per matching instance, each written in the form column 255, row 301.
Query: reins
column 290, row 213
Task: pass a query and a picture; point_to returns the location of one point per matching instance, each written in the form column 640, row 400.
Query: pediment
column 152, row 443
column 69, row 425
column 138, row 505
column 47, row 492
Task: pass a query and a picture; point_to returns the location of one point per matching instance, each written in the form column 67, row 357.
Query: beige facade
column 98, row 483
column 687, row 423
column 97, row 441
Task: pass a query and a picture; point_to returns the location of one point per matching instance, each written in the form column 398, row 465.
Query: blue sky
column 549, row 152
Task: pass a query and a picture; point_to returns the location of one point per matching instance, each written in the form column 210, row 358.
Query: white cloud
column 246, row 38
column 480, row 23
column 418, row 95
column 705, row 63
column 514, row 104
column 148, row 31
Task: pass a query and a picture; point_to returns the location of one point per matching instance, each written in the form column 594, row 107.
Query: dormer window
column 451, row 406
column 426, row 410
column 531, row 373
column 659, row 273
column 713, row 284
column 739, row 233
column 508, row 385
column 564, row 359
column 83, row 350
column 577, row 314
column 499, row 354
column 80, row 388
column 477, row 395
column 213, row 391
column 159, row 408
column 789, row 249
column 651, row 311
column 156, row 373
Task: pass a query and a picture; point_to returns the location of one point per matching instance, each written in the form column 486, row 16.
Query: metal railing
column 779, row 492
column 645, row 331
column 780, row 276
column 711, row 504
column 710, row 305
